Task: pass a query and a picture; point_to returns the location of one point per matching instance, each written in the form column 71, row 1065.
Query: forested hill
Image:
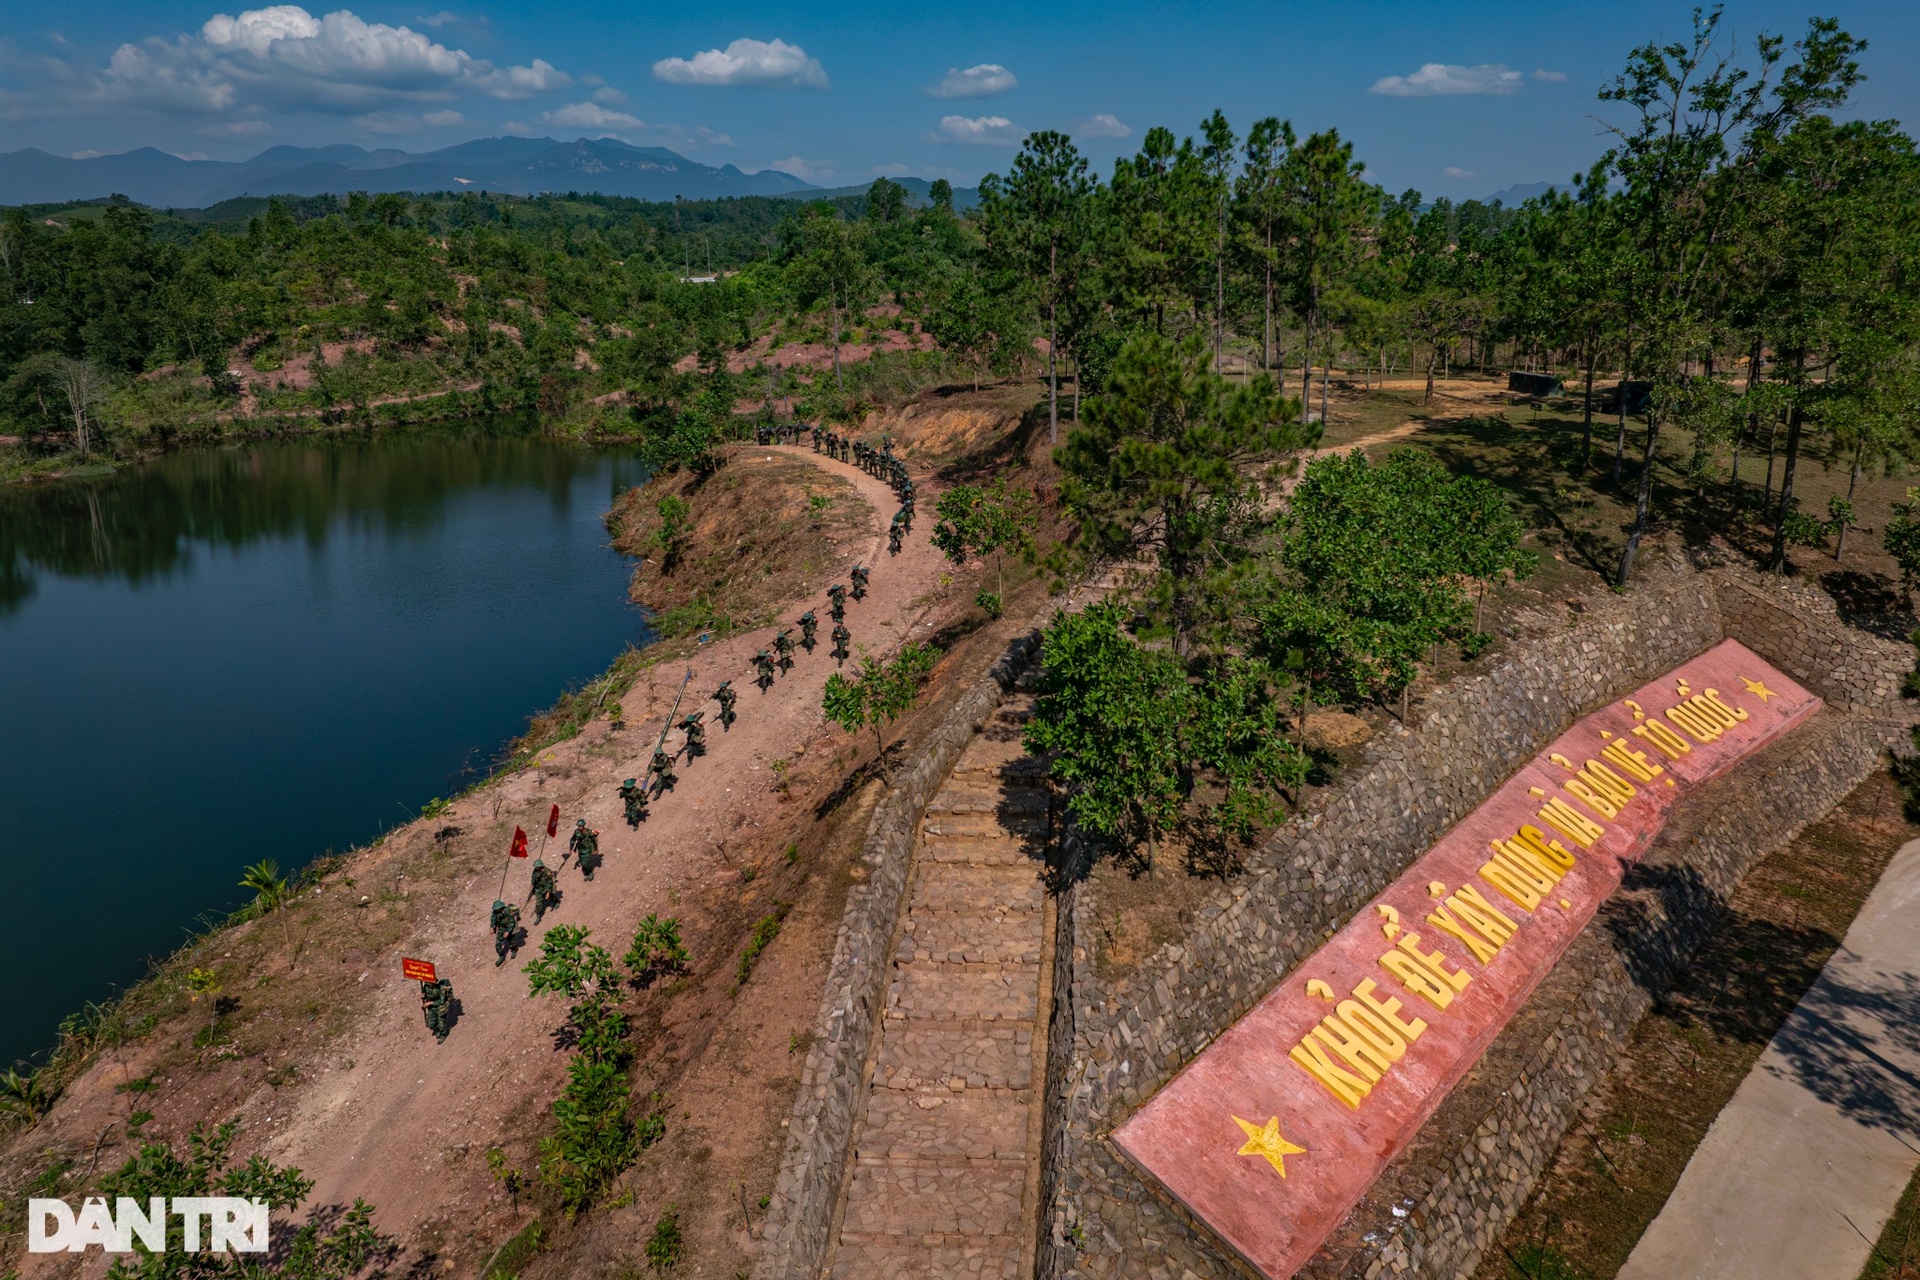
column 511, row 166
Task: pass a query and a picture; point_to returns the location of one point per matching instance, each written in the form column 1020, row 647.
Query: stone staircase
column 945, row 1174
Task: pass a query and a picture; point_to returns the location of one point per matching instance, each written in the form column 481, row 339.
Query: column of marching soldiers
column 436, row 996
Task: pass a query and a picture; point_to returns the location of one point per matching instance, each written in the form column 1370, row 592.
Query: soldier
column 635, row 796
column 662, row 771
column 840, row 638
column 859, row 576
column 506, row 924
column 436, row 1003
column 783, row 645
column 726, row 697
column 545, row 891
column 894, row 534
column 763, row 669
column 696, row 730
column 809, row 630
column 586, row 847
column 837, row 602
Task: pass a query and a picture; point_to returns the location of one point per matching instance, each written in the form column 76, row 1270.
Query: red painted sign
column 1278, row 1128
column 418, row 970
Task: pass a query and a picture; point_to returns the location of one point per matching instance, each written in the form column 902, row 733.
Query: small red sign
column 418, row 970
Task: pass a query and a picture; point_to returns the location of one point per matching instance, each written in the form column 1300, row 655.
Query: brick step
column 969, row 1198
column 1002, row 849
column 917, row 1257
column 969, row 799
column 1005, row 938
column 935, row 991
column 989, row 890
column 943, row 1126
column 980, row 1055
column 987, row 824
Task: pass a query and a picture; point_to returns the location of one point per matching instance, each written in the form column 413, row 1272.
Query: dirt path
column 946, row 1156
column 394, row 1117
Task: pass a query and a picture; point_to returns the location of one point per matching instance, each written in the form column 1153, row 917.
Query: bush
column 764, row 932
column 656, row 949
column 664, row 1247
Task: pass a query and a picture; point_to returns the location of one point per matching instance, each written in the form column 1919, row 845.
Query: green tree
column 569, row 965
column 1169, row 465
column 1035, row 221
column 829, row 264
column 1328, row 207
column 972, row 520
column 879, row 693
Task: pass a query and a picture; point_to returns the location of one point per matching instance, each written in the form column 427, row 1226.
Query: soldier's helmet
column 497, row 904
column 579, row 822
column 539, row 864
column 630, row 782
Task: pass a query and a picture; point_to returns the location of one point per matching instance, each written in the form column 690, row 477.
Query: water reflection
column 231, row 654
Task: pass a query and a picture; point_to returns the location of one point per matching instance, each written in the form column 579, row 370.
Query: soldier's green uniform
column 859, row 576
column 662, row 770
column 726, row 697
column 841, row 636
column 635, row 796
column 809, row 630
column 763, row 670
column 894, row 534
column 695, row 728
column 505, row 922
column 837, row 602
column 586, row 847
column 436, row 1003
column 783, row 645
column 546, row 890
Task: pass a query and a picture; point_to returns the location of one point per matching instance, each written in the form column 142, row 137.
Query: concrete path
column 1804, row 1166
column 946, row 1155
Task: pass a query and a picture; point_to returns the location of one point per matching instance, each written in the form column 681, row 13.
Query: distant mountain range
column 513, row 166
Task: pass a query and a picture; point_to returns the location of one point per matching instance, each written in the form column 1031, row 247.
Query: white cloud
column 1105, row 126
column 806, row 170
column 1442, row 79
column 283, row 58
column 1452, row 172
column 1550, row 77
column 441, row 119
column 444, row 18
column 982, row 130
column 608, row 96
column 982, row 81
column 591, row 115
column 747, row 62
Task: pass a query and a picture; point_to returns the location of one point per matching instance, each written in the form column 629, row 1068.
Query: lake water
column 268, row 652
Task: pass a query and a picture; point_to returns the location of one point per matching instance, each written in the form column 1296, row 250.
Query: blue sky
column 1458, row 99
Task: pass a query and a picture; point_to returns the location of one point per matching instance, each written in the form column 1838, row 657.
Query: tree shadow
column 1870, row 602
column 1853, row 1042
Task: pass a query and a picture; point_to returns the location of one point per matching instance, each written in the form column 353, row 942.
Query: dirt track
column 392, row 1117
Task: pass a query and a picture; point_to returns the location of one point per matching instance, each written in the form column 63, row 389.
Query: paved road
column 1804, row 1166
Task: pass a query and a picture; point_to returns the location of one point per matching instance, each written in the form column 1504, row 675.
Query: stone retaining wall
column 1125, row 1039
column 820, row 1131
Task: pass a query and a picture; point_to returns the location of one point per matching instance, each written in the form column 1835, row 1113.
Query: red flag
column 553, row 822
column 519, row 849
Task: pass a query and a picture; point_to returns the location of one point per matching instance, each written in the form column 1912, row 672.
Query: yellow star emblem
column 1268, row 1143
column 1758, row 688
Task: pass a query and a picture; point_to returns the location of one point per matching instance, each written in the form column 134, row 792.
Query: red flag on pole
column 519, row 849
column 553, row 822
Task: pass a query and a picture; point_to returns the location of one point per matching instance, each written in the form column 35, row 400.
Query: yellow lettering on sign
column 1483, row 950
column 1388, row 1008
column 1631, row 762
column 1472, row 906
column 1416, row 978
column 1516, row 887
column 1711, row 710
column 1550, row 851
column 1737, row 713
column 1599, row 804
column 1571, row 823
column 1436, row 963
column 1360, row 1020
column 1362, row 1056
column 1311, row 1058
column 1702, row 729
column 1527, row 860
column 1671, row 744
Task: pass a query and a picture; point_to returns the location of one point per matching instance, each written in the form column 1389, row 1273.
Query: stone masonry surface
column 1111, row 1045
column 941, row 1167
column 800, row 1215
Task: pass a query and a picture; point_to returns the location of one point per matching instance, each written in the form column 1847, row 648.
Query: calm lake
column 269, row 652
